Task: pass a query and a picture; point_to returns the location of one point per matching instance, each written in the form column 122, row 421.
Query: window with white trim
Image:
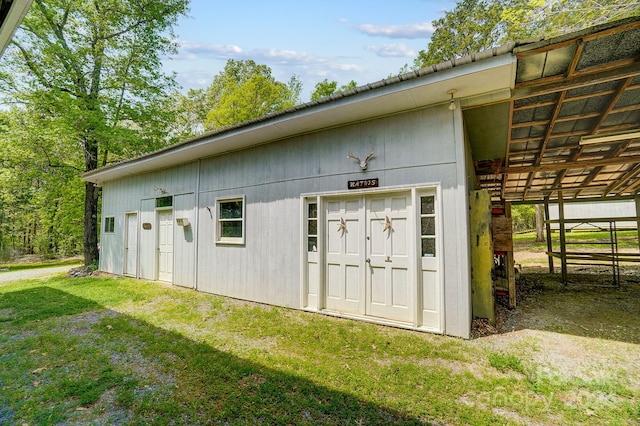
column 231, row 221
column 109, row 224
column 428, row 226
column 312, row 227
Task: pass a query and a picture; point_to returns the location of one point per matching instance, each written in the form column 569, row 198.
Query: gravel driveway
column 27, row 274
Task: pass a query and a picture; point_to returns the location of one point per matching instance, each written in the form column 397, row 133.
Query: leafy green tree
column 189, row 112
column 476, row 25
column 244, row 91
column 91, row 69
column 473, row 25
column 328, row 88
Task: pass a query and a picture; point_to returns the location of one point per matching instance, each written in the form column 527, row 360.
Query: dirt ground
column 589, row 305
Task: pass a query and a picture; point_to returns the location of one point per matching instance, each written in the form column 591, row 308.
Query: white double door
column 369, row 241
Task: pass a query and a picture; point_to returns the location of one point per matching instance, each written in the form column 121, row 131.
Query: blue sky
column 361, row 40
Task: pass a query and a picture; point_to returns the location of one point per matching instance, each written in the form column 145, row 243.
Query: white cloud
column 291, row 57
column 189, row 50
column 398, row 50
column 420, row 30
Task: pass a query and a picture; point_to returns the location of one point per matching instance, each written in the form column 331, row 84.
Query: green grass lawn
column 43, row 264
column 104, row 350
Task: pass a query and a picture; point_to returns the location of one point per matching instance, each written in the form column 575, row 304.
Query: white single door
column 344, row 232
column 165, row 245
column 131, row 244
column 389, row 286
column 429, row 266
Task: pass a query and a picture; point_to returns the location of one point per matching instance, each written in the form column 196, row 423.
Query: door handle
column 368, row 260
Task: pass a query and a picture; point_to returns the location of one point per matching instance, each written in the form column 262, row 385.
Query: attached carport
column 573, row 132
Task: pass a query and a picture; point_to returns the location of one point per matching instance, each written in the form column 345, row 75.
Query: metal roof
column 581, row 84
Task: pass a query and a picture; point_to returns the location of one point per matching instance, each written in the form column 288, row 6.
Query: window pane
column 109, row 224
column 428, row 225
column 231, row 229
column 313, row 227
column 164, row 201
column 427, row 205
column 231, row 209
column 312, row 244
column 313, row 210
column 428, row 247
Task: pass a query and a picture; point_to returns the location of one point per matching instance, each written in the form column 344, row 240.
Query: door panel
column 165, row 245
column 131, row 244
column 344, row 256
column 429, row 266
column 388, row 279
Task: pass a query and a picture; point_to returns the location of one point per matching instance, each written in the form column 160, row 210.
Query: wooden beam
column 622, row 180
column 578, row 81
column 552, row 123
column 573, row 165
column 563, row 241
column 638, row 217
column 612, row 103
column 524, row 52
column 528, row 184
column 548, row 229
column 510, row 264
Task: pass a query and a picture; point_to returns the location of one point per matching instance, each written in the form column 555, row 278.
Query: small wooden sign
column 363, row 183
column 146, row 225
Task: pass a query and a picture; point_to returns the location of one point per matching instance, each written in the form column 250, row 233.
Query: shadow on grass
column 166, row 378
column 587, row 306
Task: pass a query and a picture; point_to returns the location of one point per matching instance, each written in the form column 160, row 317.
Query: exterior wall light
column 452, row 104
column 182, row 221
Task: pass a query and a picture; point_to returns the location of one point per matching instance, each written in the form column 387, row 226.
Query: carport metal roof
column 586, row 83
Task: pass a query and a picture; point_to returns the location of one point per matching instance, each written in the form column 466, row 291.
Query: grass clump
column 505, row 362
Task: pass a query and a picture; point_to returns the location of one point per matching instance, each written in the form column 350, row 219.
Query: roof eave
column 17, row 11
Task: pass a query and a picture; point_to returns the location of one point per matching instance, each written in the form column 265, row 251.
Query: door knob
column 368, row 260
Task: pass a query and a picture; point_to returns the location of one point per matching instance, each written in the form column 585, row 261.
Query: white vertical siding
column 126, row 195
column 411, row 148
column 147, row 242
column 184, row 241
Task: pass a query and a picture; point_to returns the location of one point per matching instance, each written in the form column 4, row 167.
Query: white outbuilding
column 357, row 205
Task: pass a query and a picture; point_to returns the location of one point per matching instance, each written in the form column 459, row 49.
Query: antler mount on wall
column 363, row 163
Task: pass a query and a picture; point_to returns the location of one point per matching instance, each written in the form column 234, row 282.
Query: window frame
column 220, row 239
column 109, row 224
column 427, row 236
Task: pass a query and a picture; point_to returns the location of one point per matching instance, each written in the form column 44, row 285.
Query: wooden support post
column 638, row 218
column 563, row 241
column 482, row 291
column 547, row 217
column 510, row 266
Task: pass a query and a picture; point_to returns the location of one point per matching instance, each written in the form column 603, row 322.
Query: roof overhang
column 478, row 80
column 11, row 14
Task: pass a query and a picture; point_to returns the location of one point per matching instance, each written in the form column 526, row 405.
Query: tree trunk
column 90, row 223
column 91, row 194
column 539, row 223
